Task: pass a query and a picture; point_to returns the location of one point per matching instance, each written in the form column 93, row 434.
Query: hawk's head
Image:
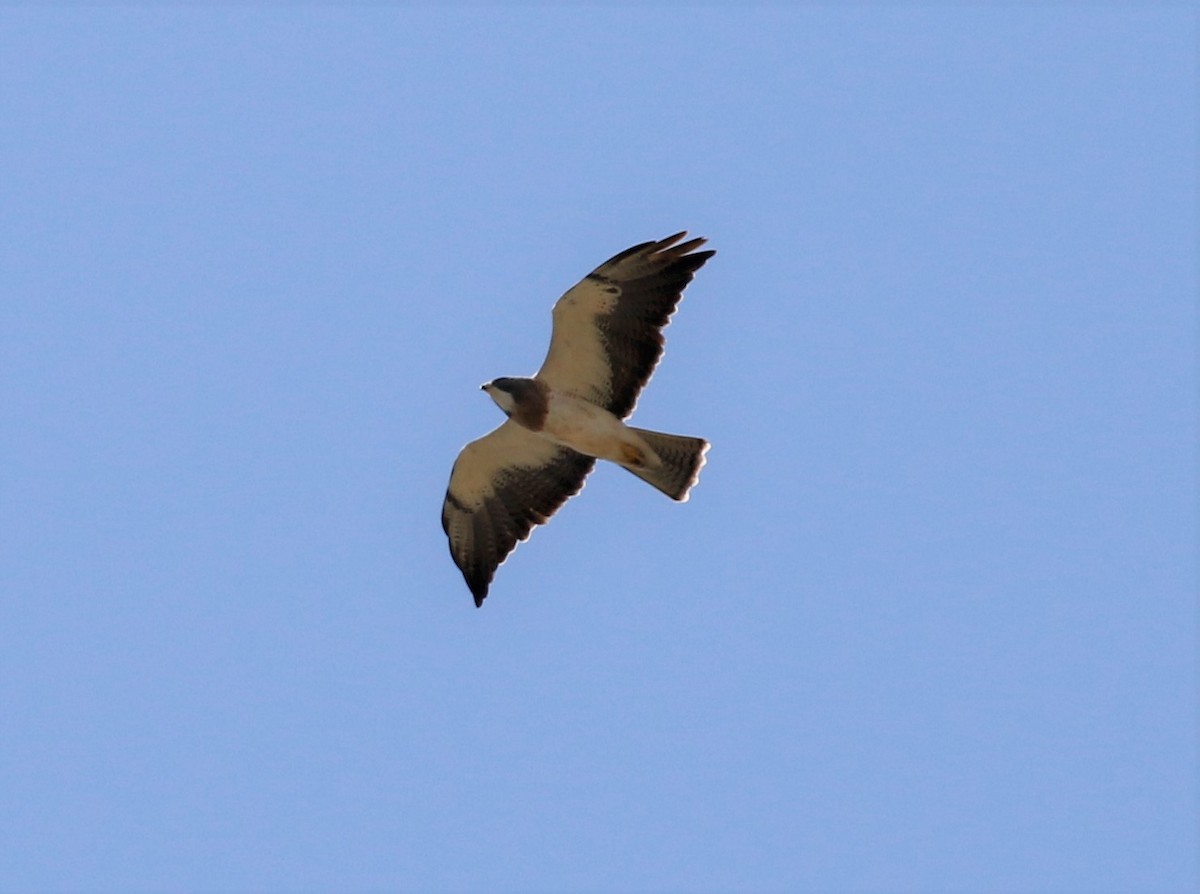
column 507, row 392
column 523, row 399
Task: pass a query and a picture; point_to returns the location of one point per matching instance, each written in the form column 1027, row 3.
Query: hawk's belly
column 583, row 426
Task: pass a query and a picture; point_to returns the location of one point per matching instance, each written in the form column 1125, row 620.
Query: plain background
column 929, row 620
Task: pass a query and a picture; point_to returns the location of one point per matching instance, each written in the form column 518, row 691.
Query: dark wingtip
column 668, row 245
column 479, row 589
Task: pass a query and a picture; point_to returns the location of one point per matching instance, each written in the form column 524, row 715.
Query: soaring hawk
column 606, row 342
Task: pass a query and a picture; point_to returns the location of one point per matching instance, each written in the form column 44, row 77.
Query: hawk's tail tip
column 682, row 459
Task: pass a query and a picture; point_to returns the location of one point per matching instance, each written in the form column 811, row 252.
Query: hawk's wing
column 607, row 339
column 500, row 487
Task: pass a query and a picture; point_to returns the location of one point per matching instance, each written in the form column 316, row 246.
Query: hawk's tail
column 682, row 458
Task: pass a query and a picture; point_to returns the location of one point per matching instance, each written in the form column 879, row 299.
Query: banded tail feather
column 682, row 458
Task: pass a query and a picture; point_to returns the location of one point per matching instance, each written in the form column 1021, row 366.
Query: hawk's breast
column 583, row 426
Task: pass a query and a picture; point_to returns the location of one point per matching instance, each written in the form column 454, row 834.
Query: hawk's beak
column 484, row 387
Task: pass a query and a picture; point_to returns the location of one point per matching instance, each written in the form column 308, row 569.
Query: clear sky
column 929, row 621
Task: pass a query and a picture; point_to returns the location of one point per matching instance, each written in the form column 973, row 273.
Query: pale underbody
column 581, row 425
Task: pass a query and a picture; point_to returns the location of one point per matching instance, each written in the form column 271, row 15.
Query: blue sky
column 929, row 621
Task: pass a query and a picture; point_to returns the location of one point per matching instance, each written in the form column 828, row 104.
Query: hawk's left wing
column 501, row 486
column 607, row 328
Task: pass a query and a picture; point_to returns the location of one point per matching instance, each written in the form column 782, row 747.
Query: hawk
column 605, row 344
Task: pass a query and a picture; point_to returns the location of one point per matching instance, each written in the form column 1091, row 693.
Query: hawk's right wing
column 500, row 487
